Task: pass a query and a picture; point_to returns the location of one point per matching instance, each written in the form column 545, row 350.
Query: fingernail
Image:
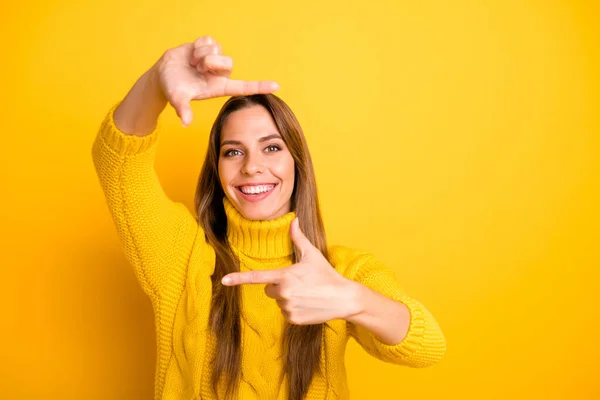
column 275, row 86
column 226, row 280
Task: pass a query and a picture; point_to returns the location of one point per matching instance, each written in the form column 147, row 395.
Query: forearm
column 156, row 233
column 387, row 319
column 138, row 113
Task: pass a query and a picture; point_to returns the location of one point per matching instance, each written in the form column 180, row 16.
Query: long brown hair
column 301, row 344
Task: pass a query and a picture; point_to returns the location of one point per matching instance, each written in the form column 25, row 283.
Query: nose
column 253, row 164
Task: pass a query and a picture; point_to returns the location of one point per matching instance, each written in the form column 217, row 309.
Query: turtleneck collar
column 259, row 239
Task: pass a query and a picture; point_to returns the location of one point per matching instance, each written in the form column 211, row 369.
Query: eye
column 232, row 152
column 272, row 147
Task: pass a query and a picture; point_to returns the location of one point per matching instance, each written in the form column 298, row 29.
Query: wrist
column 153, row 99
column 153, row 85
column 139, row 111
column 357, row 295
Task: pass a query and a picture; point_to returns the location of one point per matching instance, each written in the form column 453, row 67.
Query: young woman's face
column 256, row 169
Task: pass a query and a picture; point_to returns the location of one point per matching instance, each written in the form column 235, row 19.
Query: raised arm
column 156, row 233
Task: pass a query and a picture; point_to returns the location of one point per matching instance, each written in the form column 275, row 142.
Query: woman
column 249, row 301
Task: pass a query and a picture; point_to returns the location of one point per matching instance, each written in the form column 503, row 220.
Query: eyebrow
column 262, row 139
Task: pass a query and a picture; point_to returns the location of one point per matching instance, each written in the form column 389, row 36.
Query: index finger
column 245, row 88
column 252, row 277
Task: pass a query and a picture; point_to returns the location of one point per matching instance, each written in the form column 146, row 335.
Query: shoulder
column 350, row 262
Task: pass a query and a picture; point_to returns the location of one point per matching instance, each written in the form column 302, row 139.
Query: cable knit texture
column 173, row 263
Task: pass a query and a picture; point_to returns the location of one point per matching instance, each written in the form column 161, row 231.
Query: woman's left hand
column 308, row 292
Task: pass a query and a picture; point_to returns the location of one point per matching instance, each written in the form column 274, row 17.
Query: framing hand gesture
column 308, row 292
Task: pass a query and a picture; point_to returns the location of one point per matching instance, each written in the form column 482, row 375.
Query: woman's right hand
column 199, row 70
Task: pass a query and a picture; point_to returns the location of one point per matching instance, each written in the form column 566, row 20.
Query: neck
column 259, row 239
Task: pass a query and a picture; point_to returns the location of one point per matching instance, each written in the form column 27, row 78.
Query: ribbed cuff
column 121, row 143
column 424, row 344
column 415, row 335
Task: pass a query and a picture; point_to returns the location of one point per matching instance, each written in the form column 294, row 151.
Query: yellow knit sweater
column 173, row 263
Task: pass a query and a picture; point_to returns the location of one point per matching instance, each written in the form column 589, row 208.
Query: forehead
column 248, row 124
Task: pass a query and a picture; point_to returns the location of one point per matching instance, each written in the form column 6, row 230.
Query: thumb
column 303, row 245
column 184, row 112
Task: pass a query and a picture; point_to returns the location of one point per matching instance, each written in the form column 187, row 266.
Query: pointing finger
column 253, row 277
column 245, row 88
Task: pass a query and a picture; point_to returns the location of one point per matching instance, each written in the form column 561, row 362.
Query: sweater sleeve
column 424, row 344
column 156, row 234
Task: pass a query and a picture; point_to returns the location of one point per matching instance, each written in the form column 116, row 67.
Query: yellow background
column 458, row 141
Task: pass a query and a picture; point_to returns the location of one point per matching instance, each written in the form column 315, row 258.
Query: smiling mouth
column 255, row 190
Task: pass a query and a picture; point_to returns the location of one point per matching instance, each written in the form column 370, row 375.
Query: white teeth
column 256, row 189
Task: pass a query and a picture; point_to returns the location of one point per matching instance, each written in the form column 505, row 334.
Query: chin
column 256, row 212
column 261, row 211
